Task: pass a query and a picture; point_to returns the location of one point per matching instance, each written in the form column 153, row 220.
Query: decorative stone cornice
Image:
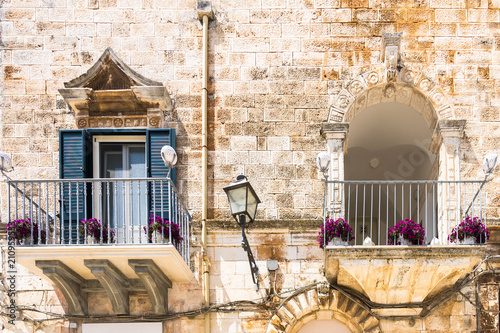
column 110, row 73
column 334, row 130
column 110, row 92
column 447, row 129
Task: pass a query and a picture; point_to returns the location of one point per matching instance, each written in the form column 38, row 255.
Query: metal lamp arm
column 244, row 244
column 475, row 196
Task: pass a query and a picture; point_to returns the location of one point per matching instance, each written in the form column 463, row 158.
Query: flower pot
column 27, row 240
column 337, row 241
column 404, row 241
column 468, row 240
column 90, row 239
column 160, row 239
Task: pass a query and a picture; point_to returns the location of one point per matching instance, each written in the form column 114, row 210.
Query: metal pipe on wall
column 206, row 264
column 205, row 13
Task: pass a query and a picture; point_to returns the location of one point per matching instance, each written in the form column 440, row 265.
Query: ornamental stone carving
column 322, row 303
column 111, row 94
column 390, row 82
column 409, row 88
column 391, row 44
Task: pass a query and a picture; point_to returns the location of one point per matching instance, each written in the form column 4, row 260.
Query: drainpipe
column 205, row 13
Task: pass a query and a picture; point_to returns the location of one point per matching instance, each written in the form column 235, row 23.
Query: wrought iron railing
column 372, row 208
column 56, row 211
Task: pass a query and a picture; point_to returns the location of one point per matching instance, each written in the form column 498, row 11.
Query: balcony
column 414, row 276
column 121, row 257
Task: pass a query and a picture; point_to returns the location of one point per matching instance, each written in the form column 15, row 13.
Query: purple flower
column 409, row 230
column 94, row 227
column 470, row 227
column 338, row 228
column 162, row 227
column 24, row 228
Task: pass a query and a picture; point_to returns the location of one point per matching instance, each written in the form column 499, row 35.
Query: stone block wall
column 276, row 67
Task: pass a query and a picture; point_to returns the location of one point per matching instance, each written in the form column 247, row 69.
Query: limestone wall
column 276, row 68
column 300, row 266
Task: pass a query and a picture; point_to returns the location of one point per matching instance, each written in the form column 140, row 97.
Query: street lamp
column 323, row 163
column 243, row 202
column 490, row 161
column 5, row 163
column 169, row 157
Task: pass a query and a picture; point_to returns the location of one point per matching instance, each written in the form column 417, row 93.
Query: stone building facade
column 392, row 90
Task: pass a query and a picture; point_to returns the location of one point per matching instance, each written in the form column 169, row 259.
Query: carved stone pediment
column 111, row 90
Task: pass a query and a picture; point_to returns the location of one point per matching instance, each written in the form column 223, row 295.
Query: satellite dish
column 169, row 156
column 5, row 163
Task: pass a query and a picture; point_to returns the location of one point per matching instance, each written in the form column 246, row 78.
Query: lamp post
column 243, row 202
column 169, row 157
column 489, row 163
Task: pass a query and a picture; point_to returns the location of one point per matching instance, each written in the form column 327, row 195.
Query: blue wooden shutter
column 155, row 140
column 73, row 150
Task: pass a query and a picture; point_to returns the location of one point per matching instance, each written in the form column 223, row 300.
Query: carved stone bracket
column 69, row 283
column 155, row 282
column 114, row 282
column 390, row 54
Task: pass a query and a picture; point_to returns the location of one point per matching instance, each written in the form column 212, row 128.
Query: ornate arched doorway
column 397, row 116
column 327, row 306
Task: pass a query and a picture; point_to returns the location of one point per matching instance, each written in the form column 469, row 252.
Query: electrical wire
column 257, row 305
column 267, row 304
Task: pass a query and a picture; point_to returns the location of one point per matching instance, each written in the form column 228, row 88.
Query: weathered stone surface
column 277, row 70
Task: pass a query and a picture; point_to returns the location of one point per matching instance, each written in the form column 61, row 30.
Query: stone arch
column 321, row 303
column 398, row 84
column 408, row 87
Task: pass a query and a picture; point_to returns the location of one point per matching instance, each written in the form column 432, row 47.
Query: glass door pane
column 113, row 192
column 124, row 202
column 136, row 167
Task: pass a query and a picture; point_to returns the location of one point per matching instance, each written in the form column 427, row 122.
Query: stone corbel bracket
column 115, row 283
column 111, row 280
column 69, row 283
column 155, row 282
